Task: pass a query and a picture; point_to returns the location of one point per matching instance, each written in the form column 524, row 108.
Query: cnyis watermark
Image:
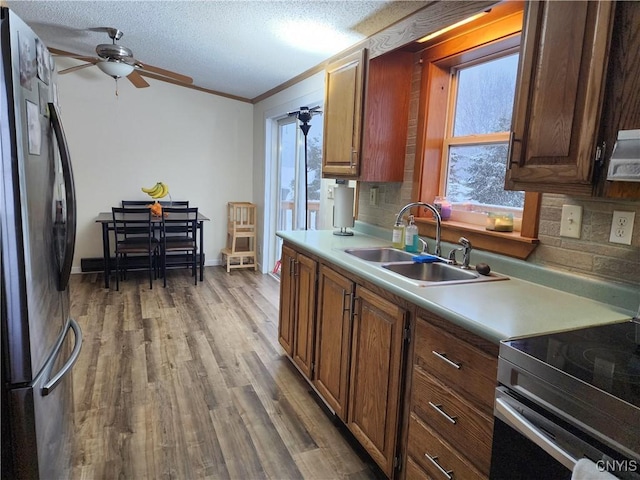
column 618, row 465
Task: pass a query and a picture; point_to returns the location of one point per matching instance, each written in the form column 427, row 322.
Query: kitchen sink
column 431, row 272
column 422, row 274
column 439, row 273
column 381, row 254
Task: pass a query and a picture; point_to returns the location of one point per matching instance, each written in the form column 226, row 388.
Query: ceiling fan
column 117, row 61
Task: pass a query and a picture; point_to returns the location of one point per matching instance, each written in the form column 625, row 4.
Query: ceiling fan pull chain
column 117, row 88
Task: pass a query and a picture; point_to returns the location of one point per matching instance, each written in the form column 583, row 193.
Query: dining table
column 106, row 220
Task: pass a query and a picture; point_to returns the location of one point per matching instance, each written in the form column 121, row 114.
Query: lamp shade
column 115, row 69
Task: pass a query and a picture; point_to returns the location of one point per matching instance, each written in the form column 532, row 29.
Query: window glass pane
column 485, row 97
column 314, row 171
column 476, row 174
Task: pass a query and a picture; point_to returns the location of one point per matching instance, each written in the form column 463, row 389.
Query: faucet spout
column 436, row 215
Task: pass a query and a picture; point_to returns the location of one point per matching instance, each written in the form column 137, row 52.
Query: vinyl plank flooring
column 272, row 452
column 189, row 382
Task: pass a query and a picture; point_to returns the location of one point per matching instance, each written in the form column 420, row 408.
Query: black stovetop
column 606, row 357
column 589, row 378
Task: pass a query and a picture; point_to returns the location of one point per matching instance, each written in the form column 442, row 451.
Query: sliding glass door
column 298, row 208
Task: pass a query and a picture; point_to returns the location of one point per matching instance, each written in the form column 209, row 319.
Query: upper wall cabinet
column 559, row 97
column 366, row 117
column 344, row 84
column 621, row 109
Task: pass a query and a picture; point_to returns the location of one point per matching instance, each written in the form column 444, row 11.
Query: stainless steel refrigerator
column 40, row 340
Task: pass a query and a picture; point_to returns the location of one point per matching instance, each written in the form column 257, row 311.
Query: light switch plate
column 571, row 221
column 373, row 196
column 622, row 227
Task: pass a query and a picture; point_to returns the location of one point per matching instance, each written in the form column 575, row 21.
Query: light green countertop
column 496, row 310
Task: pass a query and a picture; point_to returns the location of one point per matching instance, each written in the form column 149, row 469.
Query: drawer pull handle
column 443, row 356
column 434, row 460
column 438, row 408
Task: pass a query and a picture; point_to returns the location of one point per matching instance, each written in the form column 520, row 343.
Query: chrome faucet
column 436, row 215
column 466, row 253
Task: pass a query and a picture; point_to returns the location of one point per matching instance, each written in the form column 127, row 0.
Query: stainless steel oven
column 569, row 396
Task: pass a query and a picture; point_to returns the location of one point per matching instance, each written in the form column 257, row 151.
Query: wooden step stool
column 240, row 251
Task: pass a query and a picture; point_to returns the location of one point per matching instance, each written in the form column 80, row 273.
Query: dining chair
column 134, row 237
column 164, row 203
column 178, row 235
column 135, row 203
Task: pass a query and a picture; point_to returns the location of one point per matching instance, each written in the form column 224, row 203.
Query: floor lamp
column 304, row 115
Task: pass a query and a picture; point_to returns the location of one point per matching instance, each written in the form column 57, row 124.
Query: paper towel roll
column 343, row 206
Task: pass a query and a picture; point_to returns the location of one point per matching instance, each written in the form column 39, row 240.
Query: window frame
column 451, row 140
column 437, row 59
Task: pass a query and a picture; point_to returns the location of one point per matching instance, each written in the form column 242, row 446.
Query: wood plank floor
column 190, row 382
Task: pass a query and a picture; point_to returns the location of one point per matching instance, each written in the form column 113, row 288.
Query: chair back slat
column 164, row 203
column 132, row 222
column 179, row 221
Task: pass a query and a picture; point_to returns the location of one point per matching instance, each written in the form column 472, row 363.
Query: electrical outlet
column 622, row 227
column 373, row 196
column 571, row 221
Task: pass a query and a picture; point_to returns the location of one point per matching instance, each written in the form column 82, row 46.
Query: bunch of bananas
column 159, row 190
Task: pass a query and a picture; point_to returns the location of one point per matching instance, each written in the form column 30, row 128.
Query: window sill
column 511, row 244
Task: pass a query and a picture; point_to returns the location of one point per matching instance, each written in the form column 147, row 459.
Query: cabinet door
column 333, row 339
column 621, row 110
column 344, row 82
column 287, row 300
column 375, row 380
column 559, row 96
column 385, row 118
column 305, row 280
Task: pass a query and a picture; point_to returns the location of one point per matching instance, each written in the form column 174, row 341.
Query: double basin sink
column 423, row 274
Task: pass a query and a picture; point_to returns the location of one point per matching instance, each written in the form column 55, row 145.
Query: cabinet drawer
column 414, row 472
column 435, row 457
column 456, row 363
column 453, row 419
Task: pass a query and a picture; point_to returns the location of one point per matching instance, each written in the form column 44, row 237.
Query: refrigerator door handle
column 70, row 192
column 75, row 353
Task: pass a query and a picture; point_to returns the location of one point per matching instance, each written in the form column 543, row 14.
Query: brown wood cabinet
column 297, row 308
column 359, row 346
column 366, row 115
column 621, row 109
column 344, row 84
column 432, row 407
column 559, row 96
column 450, row 419
column 376, row 375
column 333, row 339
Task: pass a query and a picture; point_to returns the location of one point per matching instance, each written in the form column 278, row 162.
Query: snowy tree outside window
column 477, row 143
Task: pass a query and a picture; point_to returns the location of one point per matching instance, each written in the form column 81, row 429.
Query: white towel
column 585, row 469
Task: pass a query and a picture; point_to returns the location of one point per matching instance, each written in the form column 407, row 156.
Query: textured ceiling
column 241, row 48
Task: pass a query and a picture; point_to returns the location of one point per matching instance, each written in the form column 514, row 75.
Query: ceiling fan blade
column 165, row 73
column 137, row 80
column 78, row 67
column 61, row 53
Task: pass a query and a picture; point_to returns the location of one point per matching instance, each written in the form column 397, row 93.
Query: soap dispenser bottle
column 397, row 238
column 411, row 237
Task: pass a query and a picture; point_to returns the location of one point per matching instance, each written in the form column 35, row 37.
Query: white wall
column 200, row 144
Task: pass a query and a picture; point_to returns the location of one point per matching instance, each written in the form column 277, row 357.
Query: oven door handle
column 529, row 430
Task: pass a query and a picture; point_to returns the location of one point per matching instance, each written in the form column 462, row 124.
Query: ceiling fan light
column 115, row 69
